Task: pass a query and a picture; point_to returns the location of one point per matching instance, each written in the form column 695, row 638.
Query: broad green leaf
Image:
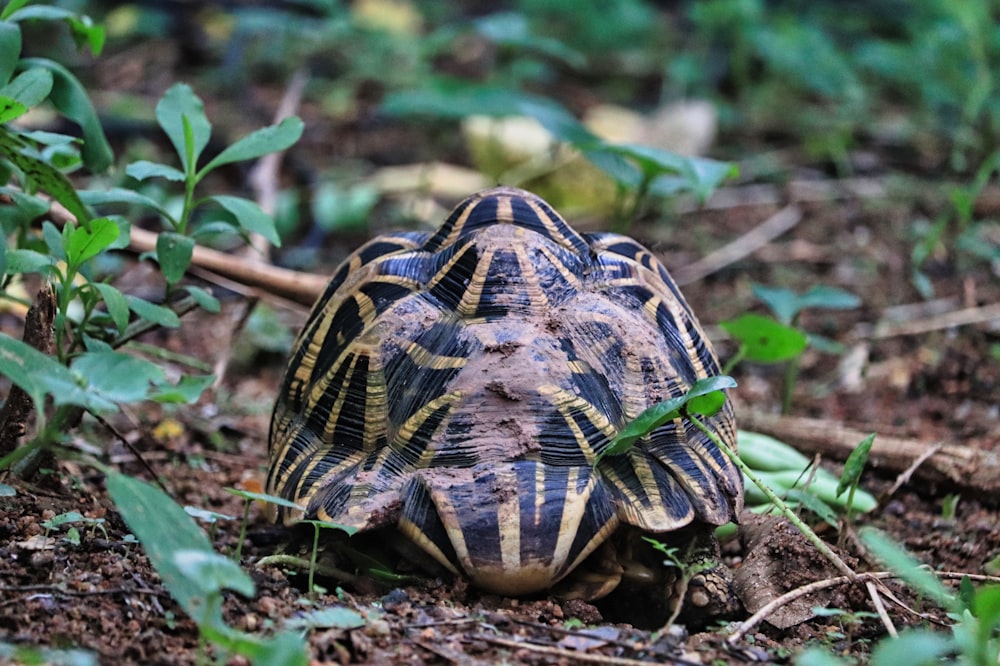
column 116, row 303
column 906, row 567
column 855, row 464
column 913, row 647
column 86, row 244
column 786, row 304
column 327, row 618
column 249, row 216
column 173, row 252
column 40, row 375
column 3, row 255
column 512, row 30
column 666, row 411
column 120, row 195
column 54, row 239
column 986, row 608
column 158, row 314
column 28, row 261
column 26, row 209
column 28, row 655
column 178, row 107
column 185, row 392
column 164, row 530
column 829, row 298
column 204, row 298
column 10, row 46
column 215, row 570
column 261, row 142
column 71, row 99
column 30, row 87
column 143, row 169
column 766, row 340
column 116, row 376
column 40, row 174
column 765, row 453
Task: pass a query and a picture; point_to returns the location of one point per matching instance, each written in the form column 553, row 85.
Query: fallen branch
column 960, row 466
column 747, row 625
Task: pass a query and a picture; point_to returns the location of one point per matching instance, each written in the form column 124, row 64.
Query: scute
column 461, row 386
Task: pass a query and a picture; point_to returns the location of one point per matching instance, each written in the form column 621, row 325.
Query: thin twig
column 880, row 608
column 963, row 317
column 904, row 476
column 745, row 245
column 776, row 603
column 131, row 447
column 574, row 655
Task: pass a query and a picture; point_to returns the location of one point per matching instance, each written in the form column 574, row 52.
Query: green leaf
column 213, row 570
column 116, row 303
column 261, row 142
column 766, row 340
column 11, row 109
column 40, row 174
column 913, row 647
column 118, row 377
column 906, row 567
column 174, row 252
column 814, row 504
column 3, row 255
column 327, row 618
column 28, row 261
column 40, row 375
column 10, row 46
column 180, row 106
column 249, row 216
column 206, row 516
column 30, row 88
column 269, row 499
column 986, row 608
column 120, row 195
column 855, row 464
column 512, row 30
column 25, row 210
column 815, row 656
column 786, row 304
column 70, row 98
column 143, row 169
column 765, row 453
column 7, row 491
column 664, row 412
column 204, row 298
column 158, row 314
column 185, row 392
column 165, row 530
column 86, row 244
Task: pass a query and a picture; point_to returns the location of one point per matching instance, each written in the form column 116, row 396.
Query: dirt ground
column 931, row 384
column 100, row 593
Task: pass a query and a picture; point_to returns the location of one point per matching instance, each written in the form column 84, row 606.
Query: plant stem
column 777, row 501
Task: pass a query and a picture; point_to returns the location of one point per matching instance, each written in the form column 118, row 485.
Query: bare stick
column 960, row 466
column 745, row 245
column 880, row 608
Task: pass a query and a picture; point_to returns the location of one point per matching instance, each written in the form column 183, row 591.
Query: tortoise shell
column 462, row 385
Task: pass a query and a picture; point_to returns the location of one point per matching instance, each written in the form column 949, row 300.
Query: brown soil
column 98, row 591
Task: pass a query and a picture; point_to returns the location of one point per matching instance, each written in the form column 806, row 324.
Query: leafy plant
column 780, row 340
column 194, row 574
column 93, row 317
column 975, row 635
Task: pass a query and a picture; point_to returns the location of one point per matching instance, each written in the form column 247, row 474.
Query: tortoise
column 458, row 388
